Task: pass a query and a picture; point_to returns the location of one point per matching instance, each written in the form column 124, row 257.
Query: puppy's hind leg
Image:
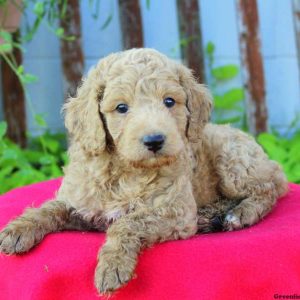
column 29, row 229
column 211, row 217
column 232, row 214
column 245, row 173
column 258, row 192
column 251, row 209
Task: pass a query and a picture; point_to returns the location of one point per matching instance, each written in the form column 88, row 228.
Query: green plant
column 285, row 151
column 46, row 12
column 41, row 160
column 228, row 104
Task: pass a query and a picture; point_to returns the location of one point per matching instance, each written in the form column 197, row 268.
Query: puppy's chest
column 131, row 193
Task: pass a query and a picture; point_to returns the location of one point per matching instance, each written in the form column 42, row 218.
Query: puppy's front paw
column 113, row 271
column 17, row 238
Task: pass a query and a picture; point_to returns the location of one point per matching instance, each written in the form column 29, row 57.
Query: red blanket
column 260, row 262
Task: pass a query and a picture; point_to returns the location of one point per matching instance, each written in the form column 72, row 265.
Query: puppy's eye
column 169, row 102
column 122, row 108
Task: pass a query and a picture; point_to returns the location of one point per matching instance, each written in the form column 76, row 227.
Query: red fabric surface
column 253, row 263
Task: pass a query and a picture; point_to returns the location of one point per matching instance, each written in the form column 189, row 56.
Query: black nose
column 154, row 142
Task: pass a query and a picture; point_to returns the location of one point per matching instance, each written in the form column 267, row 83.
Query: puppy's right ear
column 198, row 103
column 82, row 113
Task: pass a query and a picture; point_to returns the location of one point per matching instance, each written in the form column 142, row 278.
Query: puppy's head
column 139, row 105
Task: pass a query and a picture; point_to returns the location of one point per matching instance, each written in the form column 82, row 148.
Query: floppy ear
column 198, row 103
column 83, row 119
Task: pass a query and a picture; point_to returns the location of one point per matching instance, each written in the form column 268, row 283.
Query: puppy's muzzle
column 154, row 142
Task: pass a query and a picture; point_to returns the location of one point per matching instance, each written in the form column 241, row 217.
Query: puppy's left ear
column 198, row 103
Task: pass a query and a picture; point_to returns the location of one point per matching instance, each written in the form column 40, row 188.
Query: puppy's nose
column 154, row 142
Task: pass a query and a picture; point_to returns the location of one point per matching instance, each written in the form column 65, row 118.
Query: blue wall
column 219, row 24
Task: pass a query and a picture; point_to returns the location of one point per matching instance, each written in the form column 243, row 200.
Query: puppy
column 146, row 167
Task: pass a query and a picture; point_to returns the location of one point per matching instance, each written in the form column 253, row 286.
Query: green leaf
column 293, row 173
column 9, row 154
column 55, row 171
column 65, row 158
column 184, row 42
column 51, row 144
column 225, row 72
column 22, row 177
column 294, row 152
column 47, row 159
column 229, row 100
column 267, row 138
column 3, row 187
column 39, row 119
column 283, row 143
column 33, row 156
column 95, row 14
column 271, row 145
column 148, row 4
column 6, row 36
column 28, row 78
column 32, row 30
column 2, row 146
column 210, row 48
column 25, row 176
column 3, row 128
column 60, row 32
column 38, row 8
column 70, row 38
column 229, row 120
column 63, row 10
column 20, row 70
column 107, row 22
column 234, row 95
column 19, row 46
column 295, row 141
column 218, row 102
column 5, row 171
column 6, row 47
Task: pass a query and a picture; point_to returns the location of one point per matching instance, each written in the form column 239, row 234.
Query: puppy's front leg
column 129, row 234
column 29, row 229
